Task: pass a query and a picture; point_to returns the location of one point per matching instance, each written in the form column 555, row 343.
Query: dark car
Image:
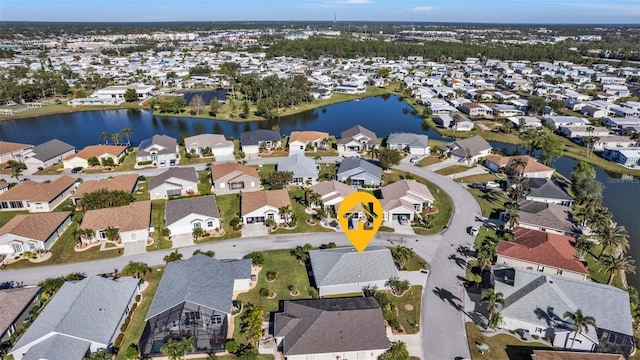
column 76, row 170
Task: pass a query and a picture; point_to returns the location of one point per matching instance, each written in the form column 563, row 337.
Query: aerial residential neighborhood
column 173, row 190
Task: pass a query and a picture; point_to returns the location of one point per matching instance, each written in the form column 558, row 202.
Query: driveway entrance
column 254, row 230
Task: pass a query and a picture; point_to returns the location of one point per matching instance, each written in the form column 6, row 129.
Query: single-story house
column 117, row 92
column 101, row 152
column 357, row 172
column 177, row 181
column 506, row 110
column 547, row 191
column 181, row 216
column 622, row 123
column 346, row 271
column 132, row 222
column 476, row 110
column 31, row 232
column 613, row 141
column 37, row 197
column 46, row 154
column 330, row 329
column 304, row 169
column 523, row 123
column 232, row 177
column 629, row 157
column 542, row 251
column 161, row 150
column 356, row 140
column 463, row 125
column 260, row 206
column 68, row 327
column 217, row 144
column 575, row 131
column 332, row 193
column 530, row 168
column 252, row 142
column 11, row 150
column 127, row 182
column 404, row 198
column 469, row 150
column 15, row 307
column 415, row 144
column 558, row 121
column 299, row 140
column 536, row 302
column 194, row 299
column 546, row 217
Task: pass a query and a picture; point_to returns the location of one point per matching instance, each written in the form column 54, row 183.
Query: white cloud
column 423, row 8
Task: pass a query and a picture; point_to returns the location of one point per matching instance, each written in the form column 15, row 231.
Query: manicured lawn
column 503, row 347
column 491, row 202
column 595, row 272
column 136, row 325
column 297, row 204
column 51, row 170
column 428, row 160
column 415, row 263
column 483, row 234
column 229, row 206
column 194, row 160
column 127, row 165
column 157, row 220
column 454, row 169
column 327, row 171
column 66, row 205
column 265, row 170
column 204, row 184
column 142, row 191
column 408, row 319
column 480, row 178
column 8, row 215
column 64, row 108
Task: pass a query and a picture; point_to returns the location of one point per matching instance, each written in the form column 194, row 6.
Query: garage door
column 397, row 216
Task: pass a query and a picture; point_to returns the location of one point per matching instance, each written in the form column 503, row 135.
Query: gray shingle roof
column 201, row 205
column 545, row 188
column 543, row 299
column 13, row 302
column 256, row 136
column 299, row 164
column 354, row 162
column 88, row 309
column 200, row 280
column 348, row 134
column 331, row 325
column 413, row 140
column 185, row 173
column 474, row 145
column 346, row 265
column 58, row 347
column 51, row 149
column 550, row 216
column 167, row 142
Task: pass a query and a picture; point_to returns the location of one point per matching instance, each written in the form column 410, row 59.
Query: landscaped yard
column 229, row 206
column 204, row 184
column 265, row 170
column 327, row 171
column 194, row 160
column 409, row 319
column 157, row 220
column 428, row 160
column 51, row 170
column 491, row 202
column 479, row 178
column 127, row 165
column 142, row 190
column 297, row 205
column 502, row 346
column 453, row 169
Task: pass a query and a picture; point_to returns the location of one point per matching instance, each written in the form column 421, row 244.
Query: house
column 260, row 206
column 254, row 141
column 523, row 123
column 183, row 215
column 67, row 328
column 329, row 329
column 617, row 90
column 358, row 172
column 476, row 110
column 117, row 92
column 37, row 197
column 415, row 144
column 11, row 150
column 127, row 182
column 347, row 271
column 101, row 152
column 304, row 169
column 194, row 299
column 314, row 140
column 612, row 141
column 574, row 131
column 161, row 150
column 32, row 232
column 46, row 154
column 132, row 222
column 541, row 251
column 546, row 217
column 332, row 193
column 356, row 140
column 506, row 110
column 629, row 157
column 536, row 302
column 463, row 125
column 558, row 121
column 547, row 191
column 529, row 168
column 217, row 145
column 469, row 150
column 572, row 355
column 593, row 112
column 403, row 198
column 177, row 181
column 15, row 307
column 232, row 178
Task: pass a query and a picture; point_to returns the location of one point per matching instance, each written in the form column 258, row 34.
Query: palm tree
column 495, row 320
column 136, row 268
column 285, row 211
column 105, row 136
column 127, row 133
column 584, row 244
column 176, row 349
column 513, row 219
column 516, row 164
column 618, row 264
column 112, row 233
column 493, row 298
column 402, row 254
column 115, row 137
column 613, row 238
column 580, row 322
column 173, row 256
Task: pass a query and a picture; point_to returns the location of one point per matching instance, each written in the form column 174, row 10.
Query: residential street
column 443, row 332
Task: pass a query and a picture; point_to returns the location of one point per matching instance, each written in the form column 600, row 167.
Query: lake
column 380, row 114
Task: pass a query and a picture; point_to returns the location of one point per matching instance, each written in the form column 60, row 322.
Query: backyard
column 408, row 307
column 491, row 202
column 502, row 346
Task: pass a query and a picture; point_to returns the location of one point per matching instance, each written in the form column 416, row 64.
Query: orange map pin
column 360, row 216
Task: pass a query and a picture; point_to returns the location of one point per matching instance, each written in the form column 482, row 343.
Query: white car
column 492, row 185
column 414, row 160
column 474, row 230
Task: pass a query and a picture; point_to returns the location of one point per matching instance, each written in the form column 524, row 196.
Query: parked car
column 492, row 185
column 76, row 169
column 414, row 159
column 474, row 230
column 403, row 220
column 476, row 186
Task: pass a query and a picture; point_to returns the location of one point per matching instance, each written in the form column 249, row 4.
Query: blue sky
column 502, row 11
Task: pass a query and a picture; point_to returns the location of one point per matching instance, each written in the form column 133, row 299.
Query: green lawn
column 454, row 169
column 265, row 170
column 66, row 205
column 157, row 220
column 51, row 170
column 204, row 184
column 503, row 347
column 484, row 233
column 408, row 319
column 136, row 325
column 595, row 268
column 428, row 160
column 327, row 171
column 142, row 191
column 5, row 216
column 297, row 204
column 415, row 263
column 491, row 202
column 480, row 178
column 127, row 165
column 229, row 206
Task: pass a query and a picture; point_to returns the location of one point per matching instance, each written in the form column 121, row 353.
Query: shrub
column 265, row 292
column 231, row 346
column 138, row 297
column 123, row 327
column 118, row 341
column 142, row 178
column 142, row 163
column 271, row 275
column 133, row 307
column 256, row 258
column 535, row 336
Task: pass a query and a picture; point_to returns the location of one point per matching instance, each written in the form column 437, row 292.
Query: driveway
column 135, row 247
column 225, row 158
column 413, row 342
column 181, row 240
column 398, row 228
column 254, row 230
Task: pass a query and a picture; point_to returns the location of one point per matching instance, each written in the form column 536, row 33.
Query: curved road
column 443, row 331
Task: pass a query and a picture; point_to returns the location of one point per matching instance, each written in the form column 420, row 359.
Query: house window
column 17, row 248
column 4, row 205
column 210, row 223
column 197, row 225
column 559, row 272
column 16, row 204
column 236, row 185
column 174, row 192
column 216, row 320
column 540, row 268
column 298, row 180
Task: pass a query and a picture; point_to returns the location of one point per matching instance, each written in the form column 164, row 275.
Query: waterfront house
column 469, row 150
column 182, row 216
column 216, row 144
column 132, row 222
column 530, row 168
column 415, row 144
column 127, row 182
column 252, row 142
column 37, row 197
column 100, row 152
column 46, row 154
column 358, row 172
column 32, row 232
column 232, row 178
column 356, row 140
column 315, row 140
column 547, row 217
column 117, row 92
column 547, row 191
column 161, row 150
column 11, row 150
column 260, row 206
column 629, row 157
column 177, row 181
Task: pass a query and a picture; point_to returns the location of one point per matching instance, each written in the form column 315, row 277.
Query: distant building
column 117, row 92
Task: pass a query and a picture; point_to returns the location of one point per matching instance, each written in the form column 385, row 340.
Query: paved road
column 443, row 332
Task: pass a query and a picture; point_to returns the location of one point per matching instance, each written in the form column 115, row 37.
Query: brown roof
column 35, row 191
column 401, row 188
column 307, row 136
column 252, row 201
column 543, row 248
column 221, row 170
column 97, row 151
column 134, row 216
column 7, row 147
column 34, row 226
column 13, row 302
column 121, row 182
column 326, row 187
column 531, row 164
column 571, row 355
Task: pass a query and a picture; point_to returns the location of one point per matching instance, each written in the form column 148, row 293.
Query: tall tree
column 176, row 349
column 136, row 268
column 389, row 157
column 613, row 238
column 126, row 132
column 580, row 323
column 130, row 95
column 536, row 104
column 617, row 265
column 175, row 255
column 397, row 286
column 401, row 254
column 196, row 104
column 493, row 299
column 251, row 323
